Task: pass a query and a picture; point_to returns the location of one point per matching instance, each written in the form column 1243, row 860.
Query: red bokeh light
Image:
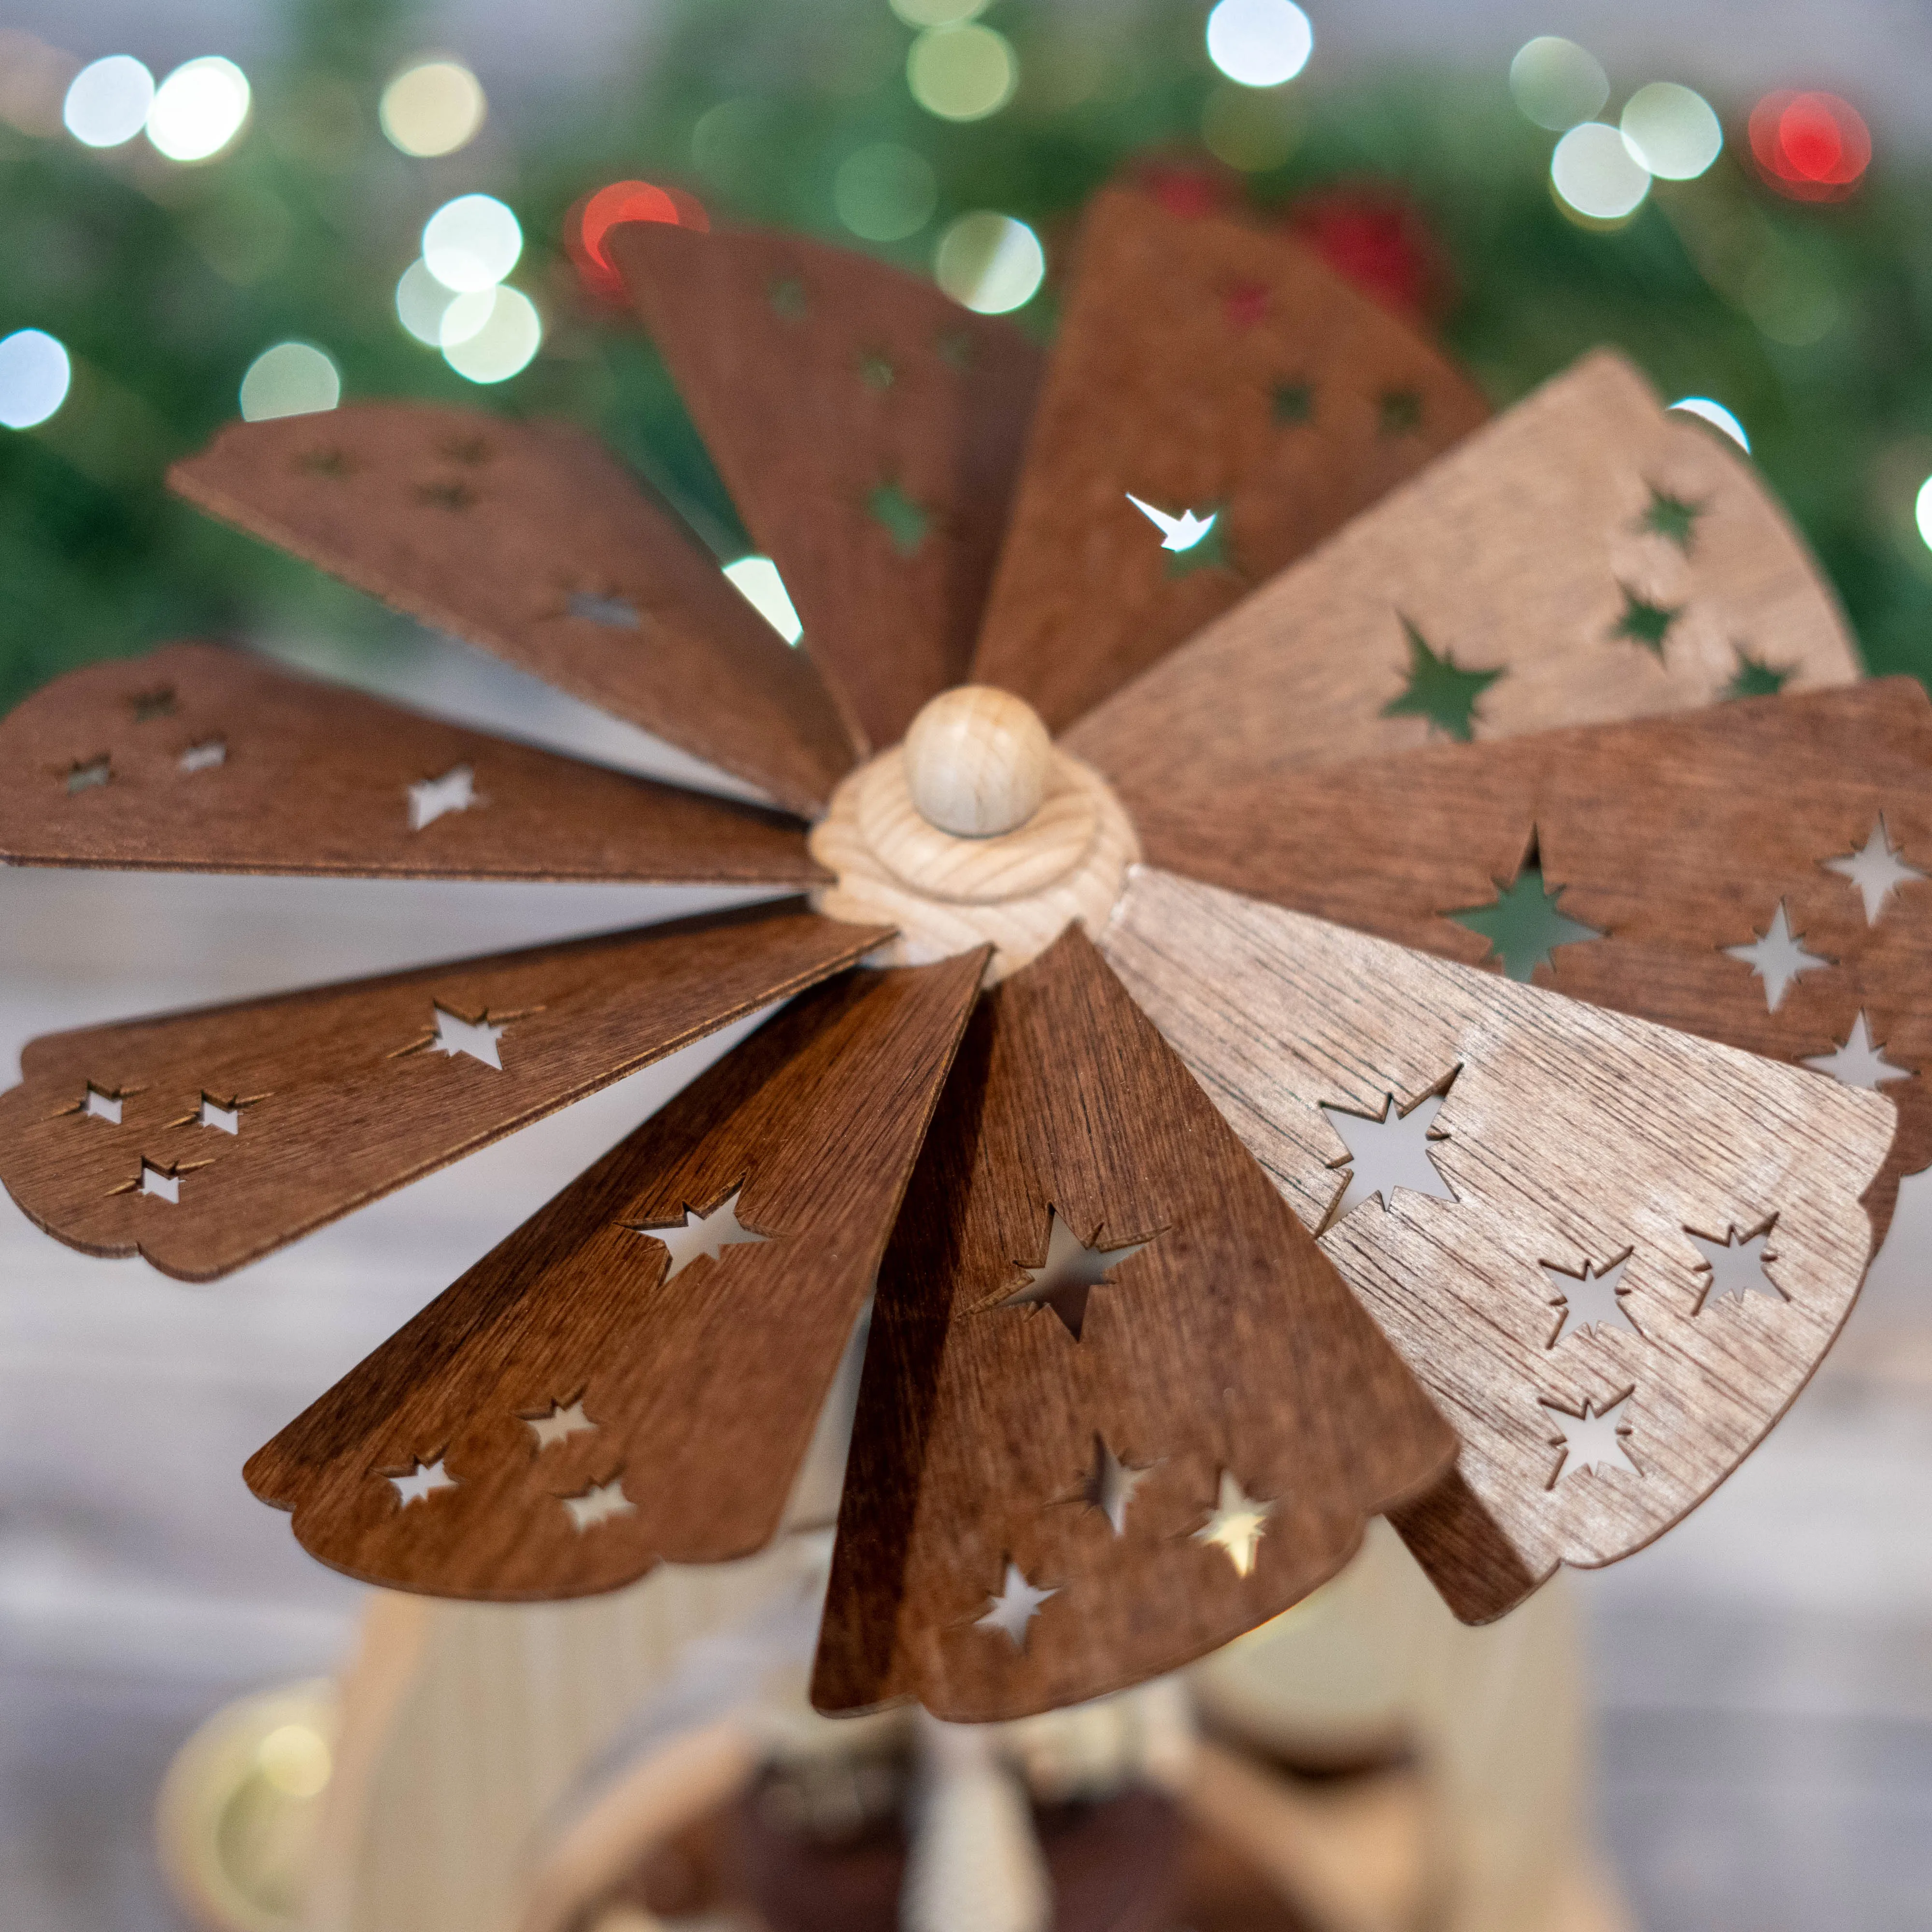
column 1812, row 147
column 587, row 224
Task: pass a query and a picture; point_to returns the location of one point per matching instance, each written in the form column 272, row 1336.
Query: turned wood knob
column 977, row 761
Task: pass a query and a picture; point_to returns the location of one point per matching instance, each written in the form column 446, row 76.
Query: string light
column 471, row 243
column 199, row 109
column 963, row 73
column 1717, row 415
column 107, row 101
column 1259, row 43
column 35, row 374
column 884, row 192
column 1557, row 84
column 432, row 107
column 421, row 302
column 293, row 379
column 490, row 334
column 1671, row 130
column 1922, row 511
column 1594, row 172
column 990, row 262
column 1811, row 147
column 758, row 581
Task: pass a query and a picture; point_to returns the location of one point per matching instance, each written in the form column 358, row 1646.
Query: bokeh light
column 989, row 262
column 199, row 109
column 1812, row 147
column 590, row 222
column 421, row 302
column 1556, row 83
column 1922, row 511
column 1717, row 415
column 962, row 73
column 1250, row 130
column 938, row 12
column 884, row 192
column 489, row 334
column 107, row 101
column 1259, row 43
column 758, row 580
column 472, row 242
column 34, row 373
column 295, row 1758
column 1595, row 173
column 1671, row 130
column 432, row 107
column 293, row 379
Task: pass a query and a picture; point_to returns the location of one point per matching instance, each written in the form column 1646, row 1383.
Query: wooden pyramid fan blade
column 1612, row 1253
column 594, row 1397
column 1117, row 1408
column 200, row 759
column 1588, row 557
column 1757, row 873
column 527, row 539
column 1218, row 401
column 204, row 1140
column 868, row 430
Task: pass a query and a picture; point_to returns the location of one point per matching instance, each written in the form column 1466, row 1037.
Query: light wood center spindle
column 977, row 761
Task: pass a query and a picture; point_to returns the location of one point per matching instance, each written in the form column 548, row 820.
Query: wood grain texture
column 703, row 1385
column 1225, row 1349
column 1518, row 553
column 516, row 535
column 868, row 429
column 1568, row 1135
column 331, row 1097
column 1208, row 365
column 195, row 758
column 1678, row 839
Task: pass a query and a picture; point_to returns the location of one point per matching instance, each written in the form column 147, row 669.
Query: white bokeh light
column 1671, row 130
column 1596, row 174
column 421, row 302
column 199, row 109
column 34, row 373
column 107, row 101
column 293, row 379
column 432, row 107
column 471, row 243
column 990, row 262
column 491, row 344
column 1556, row 83
column 759, row 582
column 1259, row 43
column 1922, row 511
column 1717, row 415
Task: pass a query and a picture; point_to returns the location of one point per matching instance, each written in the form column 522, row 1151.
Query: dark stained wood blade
column 869, row 430
column 195, row 758
column 669, row 1396
column 1085, row 1440
column 1612, row 1253
column 1201, row 365
column 527, row 538
column 1587, row 557
column 203, row 1140
column 1651, row 856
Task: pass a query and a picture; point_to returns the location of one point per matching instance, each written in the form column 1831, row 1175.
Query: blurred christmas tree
column 883, row 126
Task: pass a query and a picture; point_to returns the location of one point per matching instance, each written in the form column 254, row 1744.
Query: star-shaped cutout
column 1399, row 412
column 1525, row 924
column 1594, row 1440
column 432, row 799
column 615, row 613
column 477, row 1038
column 1235, row 1524
column 1390, row 1151
column 904, row 521
column 559, row 1423
column 1645, row 623
column 98, row 1105
column 1875, row 868
column 422, row 1482
column 159, row 1183
column 1109, row 1486
column 1736, row 1266
column 698, row 1236
column 1777, row 956
column 85, row 777
column 210, row 755
column 598, row 1503
column 1294, row 402
column 876, row 370
column 148, row 705
column 1591, row 1300
column 1182, row 532
column 1859, row 1062
column 1671, row 517
column 212, row 1113
column 1015, row 1606
column 1070, row 1273
column 1755, row 679
column 1439, row 689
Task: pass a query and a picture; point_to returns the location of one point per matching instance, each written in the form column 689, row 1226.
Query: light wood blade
column 203, row 1140
column 1201, row 365
column 868, row 430
column 669, row 1396
column 1587, row 557
column 198, row 759
column 1088, row 1444
column 527, row 539
column 1568, row 1140
column 1662, row 852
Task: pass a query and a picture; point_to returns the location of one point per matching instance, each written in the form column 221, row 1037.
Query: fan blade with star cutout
column 527, row 539
column 1585, row 557
column 196, row 758
column 868, row 429
column 1560, row 1141
column 1051, row 1496
column 204, row 1140
column 1759, row 873
column 1205, row 366
column 593, row 1404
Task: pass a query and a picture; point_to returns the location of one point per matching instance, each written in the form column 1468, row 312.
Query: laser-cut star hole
column 1755, row 679
column 1590, row 1300
column 1193, row 542
column 559, row 1424
column 1875, row 868
column 1645, row 623
column 224, row 1120
column 699, row 1237
column 876, row 370
column 600, row 1503
column 98, row 1104
column 1292, row 402
column 1525, row 923
column 1236, row 1524
column 85, row 776
column 148, row 705
column 1109, row 1486
column 1860, row 1061
column 432, row 799
column 1672, row 517
column 904, row 522
column 210, row 755
column 1439, row 689
column 159, row 1183
column 422, row 1482
column 1017, row 1604
column 617, row 613
column 451, row 493
column 787, row 298
column 477, row 1038
column 1388, row 1151
column 1736, row 1265
column 1777, row 956
column 1398, row 413
column 1071, row 1271
column 1594, row 1440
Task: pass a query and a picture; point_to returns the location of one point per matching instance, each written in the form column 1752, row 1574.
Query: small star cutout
column 700, row 1236
column 1399, row 412
column 1245, row 304
column 1525, row 924
column 1070, row 1273
column 1858, row 1063
column 1875, row 868
column 1736, row 1266
column 1294, row 402
column 151, row 704
column 159, row 1183
column 99, row 1106
column 618, row 613
column 85, row 777
column 1777, row 956
column 1756, row 678
column 955, row 347
column 477, row 1038
column 1390, row 1151
column 1645, row 623
column 323, row 463
column 430, row 799
column 1439, row 689
column 787, row 298
column 904, row 522
column 422, row 1482
column 1235, row 1524
column 469, row 450
column 877, row 371
column 1183, row 533
column 207, row 757
column 1110, row 1484
column 1671, row 518
column 1594, row 1440
column 1591, row 1300
column 1015, row 1606
column 223, row 1120
column 452, row 495
column 559, row 1423
column 598, row 1503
